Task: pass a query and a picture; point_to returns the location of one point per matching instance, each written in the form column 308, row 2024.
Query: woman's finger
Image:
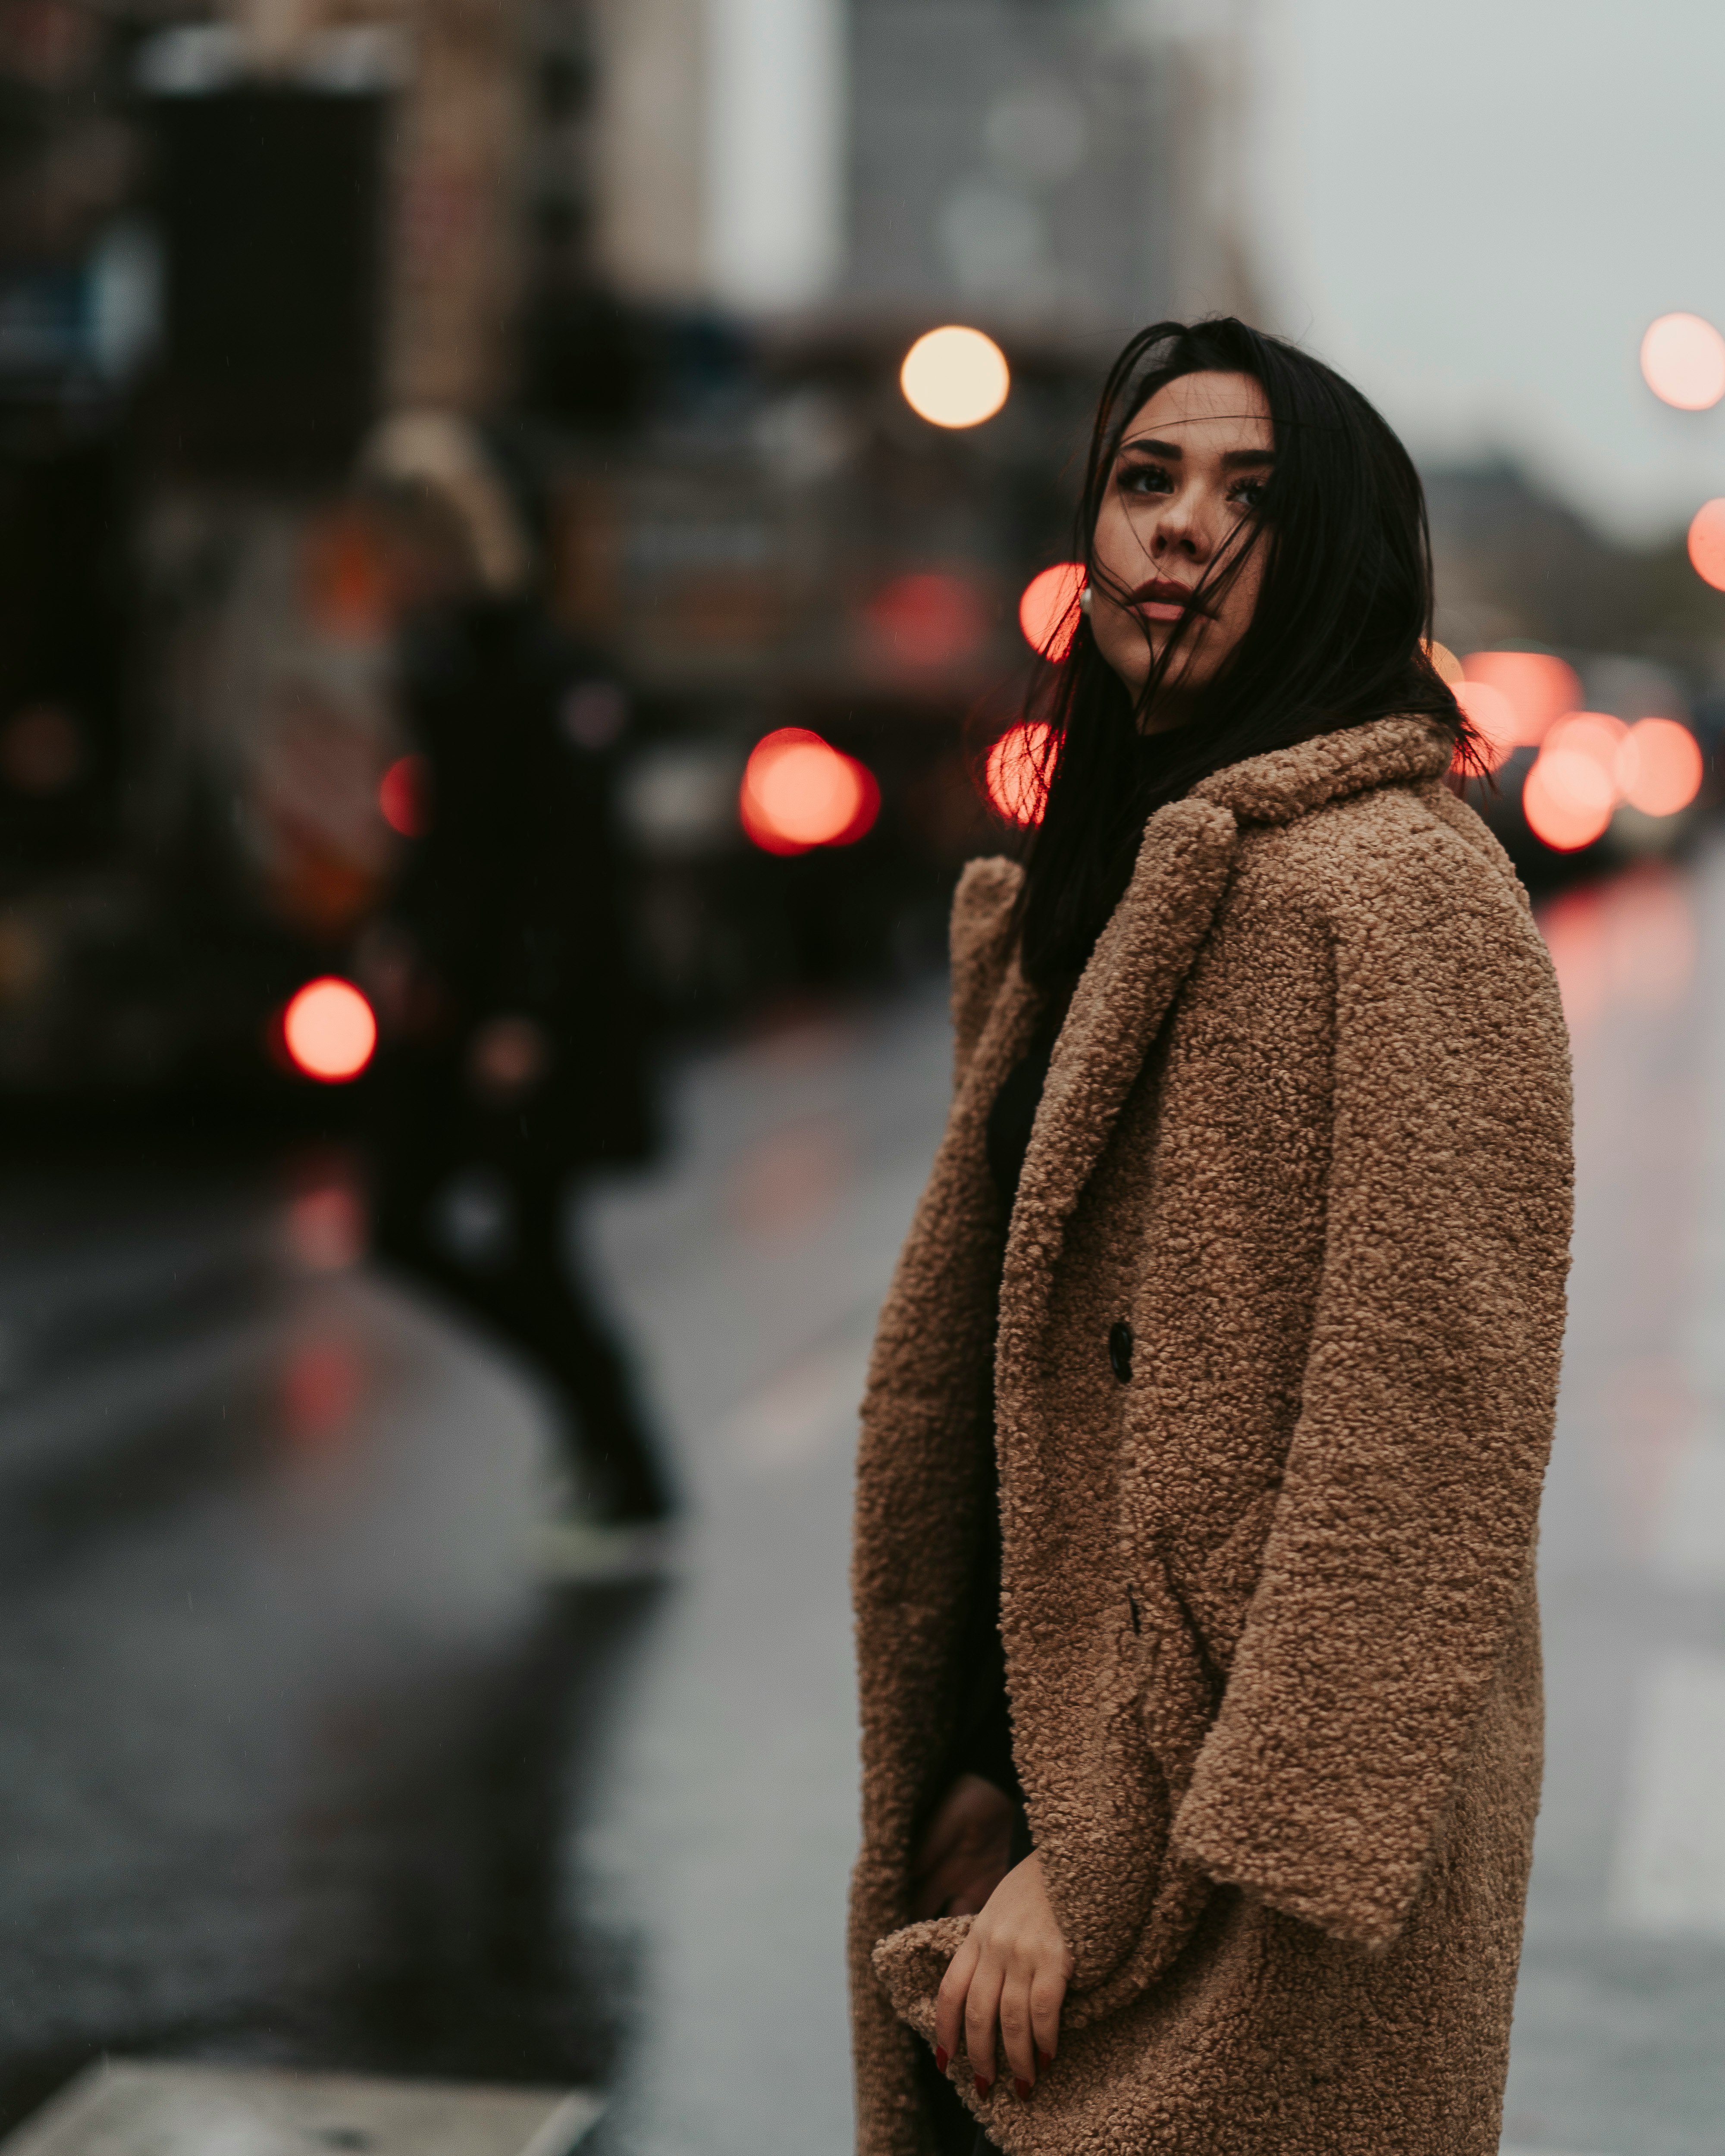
column 1017, row 2037
column 949, row 2002
column 1047, row 1995
column 981, row 2007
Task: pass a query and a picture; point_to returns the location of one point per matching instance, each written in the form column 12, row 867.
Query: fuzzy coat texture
column 1272, row 1642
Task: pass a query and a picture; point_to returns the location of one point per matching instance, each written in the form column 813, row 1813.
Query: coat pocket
column 1179, row 1684
column 1214, row 1589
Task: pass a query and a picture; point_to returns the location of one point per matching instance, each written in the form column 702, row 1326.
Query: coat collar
column 1277, row 788
column 1291, row 781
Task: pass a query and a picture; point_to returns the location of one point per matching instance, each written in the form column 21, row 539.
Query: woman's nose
column 1181, row 530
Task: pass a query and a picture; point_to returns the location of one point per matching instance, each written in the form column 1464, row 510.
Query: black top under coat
column 984, row 1744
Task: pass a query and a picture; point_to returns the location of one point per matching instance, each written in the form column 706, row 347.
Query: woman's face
column 1191, row 467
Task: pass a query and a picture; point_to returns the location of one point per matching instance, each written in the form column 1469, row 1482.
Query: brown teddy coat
column 1271, row 1636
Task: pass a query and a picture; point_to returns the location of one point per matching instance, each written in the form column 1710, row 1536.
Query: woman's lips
column 1164, row 600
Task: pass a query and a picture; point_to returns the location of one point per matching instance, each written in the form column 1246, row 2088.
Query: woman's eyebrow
column 1173, row 452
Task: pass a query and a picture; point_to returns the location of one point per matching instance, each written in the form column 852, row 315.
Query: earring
column 1084, row 600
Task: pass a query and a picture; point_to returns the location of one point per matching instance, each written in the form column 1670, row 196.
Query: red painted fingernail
column 982, row 2086
column 1021, row 2090
column 1045, row 2060
column 941, row 2056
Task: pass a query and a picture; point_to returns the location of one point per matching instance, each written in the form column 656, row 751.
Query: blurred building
column 1080, row 165
column 669, row 252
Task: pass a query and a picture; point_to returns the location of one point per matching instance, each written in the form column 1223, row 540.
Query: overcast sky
column 1476, row 207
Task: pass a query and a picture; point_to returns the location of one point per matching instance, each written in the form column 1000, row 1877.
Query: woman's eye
column 1145, row 478
column 1249, row 493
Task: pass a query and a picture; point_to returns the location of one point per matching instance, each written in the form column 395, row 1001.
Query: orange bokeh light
column 955, row 377
column 1048, row 611
column 404, row 797
column 1707, row 543
column 1539, row 686
column 1492, row 717
column 1448, row 665
column 1017, row 770
column 799, row 791
column 1658, row 767
column 1683, row 362
column 329, row 1030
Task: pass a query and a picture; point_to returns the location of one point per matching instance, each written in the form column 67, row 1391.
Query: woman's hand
column 1011, row 1973
column 965, row 1852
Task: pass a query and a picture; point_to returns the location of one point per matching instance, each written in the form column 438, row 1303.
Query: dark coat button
column 1120, row 1351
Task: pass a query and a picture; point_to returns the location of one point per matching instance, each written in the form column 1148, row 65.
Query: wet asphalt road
column 300, row 1761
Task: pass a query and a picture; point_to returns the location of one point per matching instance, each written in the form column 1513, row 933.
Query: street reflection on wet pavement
column 301, row 1762
column 1619, row 2034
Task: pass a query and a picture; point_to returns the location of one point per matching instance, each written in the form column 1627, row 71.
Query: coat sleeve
column 1404, row 1532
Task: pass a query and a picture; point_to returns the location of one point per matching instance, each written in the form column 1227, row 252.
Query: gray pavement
column 300, row 1764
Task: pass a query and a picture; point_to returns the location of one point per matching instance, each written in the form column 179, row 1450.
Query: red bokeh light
column 1568, row 799
column 928, row 619
column 1016, row 774
column 1596, row 734
column 1658, row 767
column 1683, row 362
column 799, row 791
column 1048, row 610
column 1539, row 686
column 404, row 797
column 1571, row 790
column 329, row 1031
column 1707, row 543
column 1590, row 761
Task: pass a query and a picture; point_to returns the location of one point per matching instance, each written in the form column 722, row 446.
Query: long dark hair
column 1337, row 636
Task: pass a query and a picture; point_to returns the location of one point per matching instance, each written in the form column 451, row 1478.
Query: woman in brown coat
column 1204, row 1439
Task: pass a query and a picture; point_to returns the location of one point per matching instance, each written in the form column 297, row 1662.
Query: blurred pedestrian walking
column 513, row 1041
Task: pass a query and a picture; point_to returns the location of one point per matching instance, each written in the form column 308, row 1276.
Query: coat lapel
column 1139, row 962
